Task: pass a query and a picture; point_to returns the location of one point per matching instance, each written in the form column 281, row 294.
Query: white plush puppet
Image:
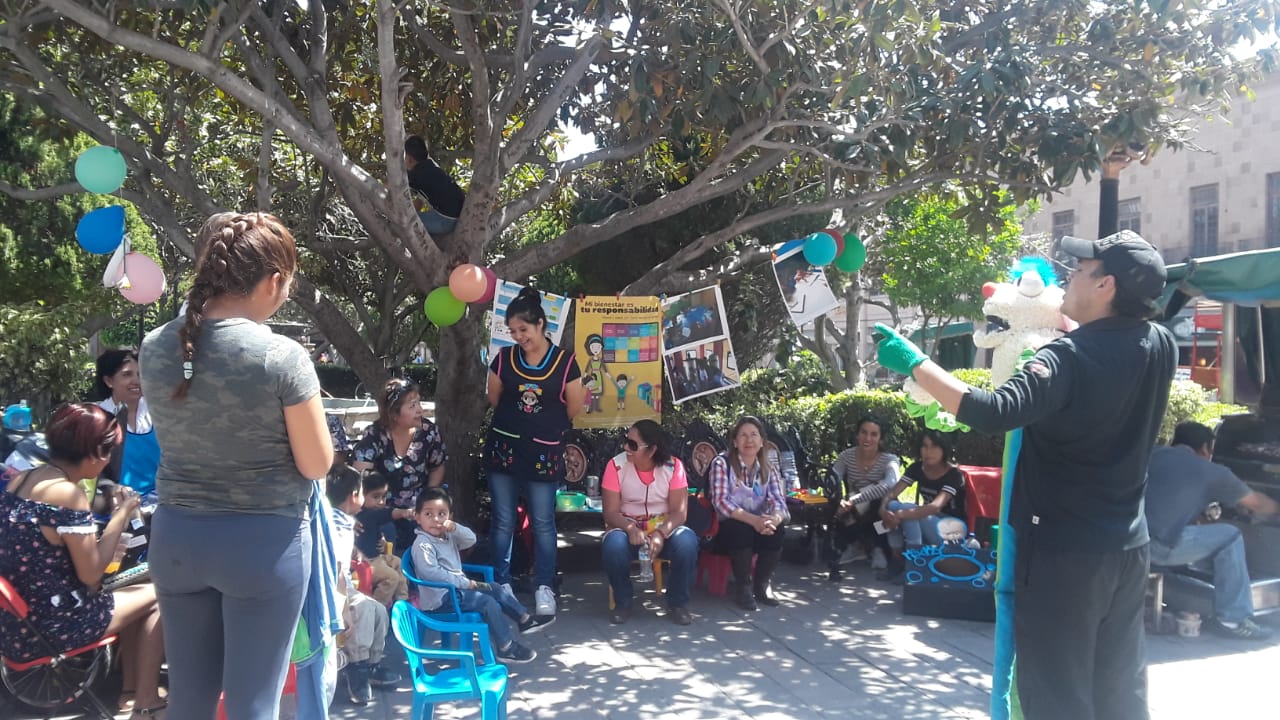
column 1022, row 315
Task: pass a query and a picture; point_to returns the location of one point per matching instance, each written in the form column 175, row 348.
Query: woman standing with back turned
column 238, row 415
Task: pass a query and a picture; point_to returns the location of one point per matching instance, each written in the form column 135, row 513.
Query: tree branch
column 45, row 193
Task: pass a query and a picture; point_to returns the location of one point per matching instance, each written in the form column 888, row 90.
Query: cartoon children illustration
column 530, row 398
column 596, row 371
column 620, row 382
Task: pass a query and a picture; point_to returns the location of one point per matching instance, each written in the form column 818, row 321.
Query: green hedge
column 341, row 381
column 827, row 421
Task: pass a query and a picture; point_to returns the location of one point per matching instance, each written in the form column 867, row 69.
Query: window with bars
column 1129, row 215
column 1064, row 223
column 1204, row 220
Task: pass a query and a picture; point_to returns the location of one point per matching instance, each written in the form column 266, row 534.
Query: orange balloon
column 467, row 283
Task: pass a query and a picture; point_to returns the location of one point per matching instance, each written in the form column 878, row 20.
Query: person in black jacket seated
column 432, row 186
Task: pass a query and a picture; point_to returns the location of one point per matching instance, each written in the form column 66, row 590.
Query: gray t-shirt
column 225, row 447
column 1180, row 485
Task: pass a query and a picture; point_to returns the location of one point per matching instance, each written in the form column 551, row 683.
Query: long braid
column 226, row 265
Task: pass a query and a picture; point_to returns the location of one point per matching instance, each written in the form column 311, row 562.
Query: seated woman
column 406, row 448
column 50, row 551
column 646, row 500
column 747, row 495
column 867, row 474
column 940, row 490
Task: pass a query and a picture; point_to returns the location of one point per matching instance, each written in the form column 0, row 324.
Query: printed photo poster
column 619, row 349
column 696, row 348
column 804, row 287
column 556, row 307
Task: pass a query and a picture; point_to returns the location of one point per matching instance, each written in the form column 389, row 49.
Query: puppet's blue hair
column 1034, row 264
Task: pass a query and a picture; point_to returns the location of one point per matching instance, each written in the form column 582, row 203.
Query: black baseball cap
column 1133, row 262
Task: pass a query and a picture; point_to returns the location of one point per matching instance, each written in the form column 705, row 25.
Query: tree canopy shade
column 806, row 107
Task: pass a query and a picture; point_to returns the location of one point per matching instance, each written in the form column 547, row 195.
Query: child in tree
column 436, row 557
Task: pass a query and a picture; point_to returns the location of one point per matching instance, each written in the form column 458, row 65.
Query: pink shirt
column 643, row 497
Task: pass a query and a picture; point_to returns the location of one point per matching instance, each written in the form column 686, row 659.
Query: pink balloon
column 490, row 286
column 146, row 279
column 467, row 283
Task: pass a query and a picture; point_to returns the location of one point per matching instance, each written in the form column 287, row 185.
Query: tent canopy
column 1244, row 278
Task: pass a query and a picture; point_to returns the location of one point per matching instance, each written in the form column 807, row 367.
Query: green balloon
column 854, row 255
column 443, row 308
column 101, row 169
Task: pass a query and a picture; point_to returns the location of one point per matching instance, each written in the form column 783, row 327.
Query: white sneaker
column 545, row 601
column 878, row 560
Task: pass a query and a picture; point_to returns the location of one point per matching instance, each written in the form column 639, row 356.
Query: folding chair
column 57, row 678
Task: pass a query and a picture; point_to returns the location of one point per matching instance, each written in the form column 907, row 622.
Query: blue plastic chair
column 455, row 615
column 467, row 681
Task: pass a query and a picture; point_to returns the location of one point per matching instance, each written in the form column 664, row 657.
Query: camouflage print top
column 225, row 448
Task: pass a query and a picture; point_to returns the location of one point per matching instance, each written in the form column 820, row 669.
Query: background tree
column 818, row 105
column 934, row 261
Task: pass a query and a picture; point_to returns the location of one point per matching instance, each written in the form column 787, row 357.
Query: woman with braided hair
column 243, row 434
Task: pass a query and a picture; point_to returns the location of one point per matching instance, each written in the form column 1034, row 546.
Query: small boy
column 389, row 584
column 436, row 557
column 365, row 619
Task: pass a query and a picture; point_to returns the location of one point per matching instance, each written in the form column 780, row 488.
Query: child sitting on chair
column 388, row 584
column 365, row 637
column 436, row 558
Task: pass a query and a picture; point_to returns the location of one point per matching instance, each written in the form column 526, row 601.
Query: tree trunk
column 852, row 332
column 461, row 406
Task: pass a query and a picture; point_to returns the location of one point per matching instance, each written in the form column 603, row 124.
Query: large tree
column 812, row 106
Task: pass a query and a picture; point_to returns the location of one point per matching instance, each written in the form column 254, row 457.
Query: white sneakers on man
column 544, row 601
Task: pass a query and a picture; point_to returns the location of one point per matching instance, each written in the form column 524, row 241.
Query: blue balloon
column 101, row 230
column 101, row 169
column 820, row 249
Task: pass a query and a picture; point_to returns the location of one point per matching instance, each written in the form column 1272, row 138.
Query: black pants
column 1081, row 644
column 862, row 530
column 737, row 535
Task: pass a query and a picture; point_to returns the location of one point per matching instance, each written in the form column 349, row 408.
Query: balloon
column 835, row 235
column 467, row 283
column 100, row 231
column 854, row 255
column 101, row 169
column 146, row 279
column 820, row 249
column 443, row 308
column 490, row 285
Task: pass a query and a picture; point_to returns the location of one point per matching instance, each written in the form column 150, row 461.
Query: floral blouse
column 407, row 475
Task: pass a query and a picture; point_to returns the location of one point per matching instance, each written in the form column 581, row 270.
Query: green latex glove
column 897, row 353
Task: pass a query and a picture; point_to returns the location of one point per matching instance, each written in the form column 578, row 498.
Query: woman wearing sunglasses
column 646, row 497
column 406, row 448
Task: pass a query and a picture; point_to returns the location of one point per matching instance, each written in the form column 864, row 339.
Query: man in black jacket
column 1090, row 404
column 432, row 187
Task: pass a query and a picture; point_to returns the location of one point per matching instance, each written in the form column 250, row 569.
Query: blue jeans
column 492, row 606
column 681, row 549
column 1232, row 593
column 437, row 224
column 923, row 531
column 231, row 588
column 505, row 490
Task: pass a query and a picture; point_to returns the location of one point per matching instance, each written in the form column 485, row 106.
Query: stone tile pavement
column 832, row 651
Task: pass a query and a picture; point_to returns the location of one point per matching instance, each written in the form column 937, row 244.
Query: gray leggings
column 231, row 588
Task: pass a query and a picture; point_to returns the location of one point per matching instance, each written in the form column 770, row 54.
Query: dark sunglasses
column 633, row 446
column 397, row 392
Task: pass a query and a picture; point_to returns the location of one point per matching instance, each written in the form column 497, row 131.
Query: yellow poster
column 619, row 349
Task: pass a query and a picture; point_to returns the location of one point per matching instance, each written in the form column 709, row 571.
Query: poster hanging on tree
column 696, row 350
column 804, row 286
column 619, row 349
column 556, row 307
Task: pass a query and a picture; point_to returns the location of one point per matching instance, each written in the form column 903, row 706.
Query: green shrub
column 45, row 358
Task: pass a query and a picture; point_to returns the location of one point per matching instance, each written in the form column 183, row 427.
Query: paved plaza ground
column 832, row 651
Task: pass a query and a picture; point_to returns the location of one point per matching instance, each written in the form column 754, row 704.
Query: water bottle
column 972, row 543
column 646, row 564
